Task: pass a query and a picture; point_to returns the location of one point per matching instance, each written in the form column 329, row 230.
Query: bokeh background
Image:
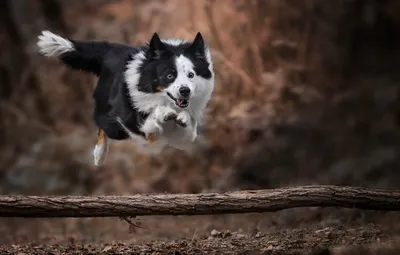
column 307, row 92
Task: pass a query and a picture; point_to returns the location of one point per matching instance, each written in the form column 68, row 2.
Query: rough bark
column 199, row 204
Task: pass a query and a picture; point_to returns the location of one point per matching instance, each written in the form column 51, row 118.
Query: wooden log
column 250, row 201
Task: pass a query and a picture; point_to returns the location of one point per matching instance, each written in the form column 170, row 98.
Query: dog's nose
column 184, row 91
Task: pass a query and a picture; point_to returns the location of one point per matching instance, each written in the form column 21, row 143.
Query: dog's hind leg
column 101, row 148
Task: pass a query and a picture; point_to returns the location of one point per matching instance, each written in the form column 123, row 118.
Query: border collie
column 155, row 93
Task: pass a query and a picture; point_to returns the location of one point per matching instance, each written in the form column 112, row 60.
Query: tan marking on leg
column 101, row 148
column 151, row 138
column 100, row 136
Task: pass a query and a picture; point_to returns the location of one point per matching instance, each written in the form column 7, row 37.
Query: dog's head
column 173, row 72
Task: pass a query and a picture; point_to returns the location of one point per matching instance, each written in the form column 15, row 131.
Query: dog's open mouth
column 182, row 103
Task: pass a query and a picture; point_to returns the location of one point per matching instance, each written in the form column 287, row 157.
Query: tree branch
column 199, row 204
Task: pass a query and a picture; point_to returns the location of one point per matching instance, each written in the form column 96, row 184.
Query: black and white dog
column 155, row 93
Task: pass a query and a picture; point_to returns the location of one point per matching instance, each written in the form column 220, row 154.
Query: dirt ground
column 294, row 231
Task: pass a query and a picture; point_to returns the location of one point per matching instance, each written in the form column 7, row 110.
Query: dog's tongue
column 179, row 101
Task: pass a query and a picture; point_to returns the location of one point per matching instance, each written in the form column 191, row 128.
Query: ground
column 294, row 231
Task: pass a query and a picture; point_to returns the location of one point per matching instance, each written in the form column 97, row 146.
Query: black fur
column 109, row 61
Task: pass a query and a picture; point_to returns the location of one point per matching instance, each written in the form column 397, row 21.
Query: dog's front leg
column 194, row 131
column 186, row 121
column 152, row 127
column 164, row 113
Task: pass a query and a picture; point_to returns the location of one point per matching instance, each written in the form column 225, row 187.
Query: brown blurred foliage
column 306, row 92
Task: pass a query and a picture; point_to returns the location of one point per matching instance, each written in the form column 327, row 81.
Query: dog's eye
column 190, row 75
column 170, row 76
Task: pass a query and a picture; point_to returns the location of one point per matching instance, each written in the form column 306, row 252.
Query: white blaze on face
column 200, row 87
column 183, row 67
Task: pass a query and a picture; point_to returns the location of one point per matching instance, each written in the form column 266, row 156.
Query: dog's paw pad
column 181, row 123
column 182, row 120
column 170, row 116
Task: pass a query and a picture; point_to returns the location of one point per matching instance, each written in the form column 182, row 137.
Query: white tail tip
column 52, row 45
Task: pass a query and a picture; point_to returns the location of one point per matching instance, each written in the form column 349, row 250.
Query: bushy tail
column 85, row 56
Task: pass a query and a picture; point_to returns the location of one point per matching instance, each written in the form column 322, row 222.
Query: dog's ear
column 197, row 47
column 156, row 46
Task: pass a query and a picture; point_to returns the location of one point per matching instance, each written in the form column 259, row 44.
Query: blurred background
column 307, row 92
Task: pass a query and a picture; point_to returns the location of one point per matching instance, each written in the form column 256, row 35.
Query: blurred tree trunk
column 21, row 96
column 344, row 54
column 53, row 14
column 20, row 23
column 12, row 55
column 370, row 35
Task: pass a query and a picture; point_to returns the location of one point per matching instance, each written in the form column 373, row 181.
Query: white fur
column 131, row 134
column 177, row 41
column 173, row 41
column 52, row 45
column 200, row 88
column 160, row 105
column 100, row 152
column 185, row 118
column 141, row 143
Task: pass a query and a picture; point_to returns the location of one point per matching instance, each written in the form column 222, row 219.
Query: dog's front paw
column 163, row 114
column 182, row 119
column 170, row 116
column 152, row 129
